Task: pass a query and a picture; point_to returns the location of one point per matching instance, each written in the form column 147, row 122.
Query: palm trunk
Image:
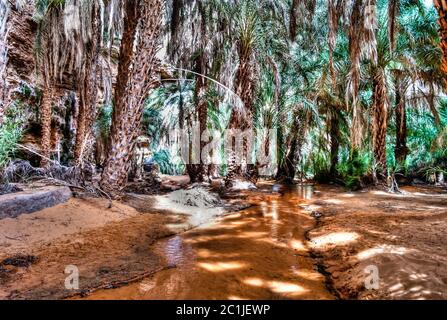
column 88, row 91
column 198, row 172
column 380, row 116
column 45, row 120
column 293, row 19
column 135, row 71
column 279, row 113
column 400, row 150
column 334, row 133
column 287, row 168
column 244, row 88
column 202, row 107
column 441, row 7
column 4, row 12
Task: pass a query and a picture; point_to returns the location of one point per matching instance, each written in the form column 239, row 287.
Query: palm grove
column 353, row 89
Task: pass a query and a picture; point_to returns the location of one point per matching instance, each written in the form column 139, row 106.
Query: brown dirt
column 257, row 253
column 105, row 249
column 403, row 235
column 110, row 246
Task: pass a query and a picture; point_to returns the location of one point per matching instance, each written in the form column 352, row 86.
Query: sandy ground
column 19, row 235
column 107, row 245
column 303, row 245
column 399, row 237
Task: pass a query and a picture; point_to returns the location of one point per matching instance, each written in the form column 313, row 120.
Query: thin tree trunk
column 45, row 119
column 88, row 90
column 380, row 116
column 287, row 168
column 293, row 25
column 400, row 149
column 334, row 133
column 279, row 114
column 198, row 172
column 135, row 73
column 441, row 7
column 4, row 13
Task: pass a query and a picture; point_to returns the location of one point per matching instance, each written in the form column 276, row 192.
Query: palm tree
column 190, row 52
column 380, row 122
column 400, row 115
column 239, row 166
column 142, row 24
column 88, row 87
column 76, row 27
column 441, row 7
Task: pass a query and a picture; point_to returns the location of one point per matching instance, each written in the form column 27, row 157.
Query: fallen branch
column 36, row 153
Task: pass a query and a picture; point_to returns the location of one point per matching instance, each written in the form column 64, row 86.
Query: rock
column 316, row 214
column 9, row 188
column 197, row 197
column 14, row 204
column 169, row 187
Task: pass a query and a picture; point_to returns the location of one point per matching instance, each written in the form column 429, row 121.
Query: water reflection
column 257, row 253
column 174, row 249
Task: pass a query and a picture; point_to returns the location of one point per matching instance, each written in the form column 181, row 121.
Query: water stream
column 257, row 253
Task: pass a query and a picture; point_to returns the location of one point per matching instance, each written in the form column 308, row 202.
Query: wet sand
column 402, row 237
column 308, row 243
column 258, row 253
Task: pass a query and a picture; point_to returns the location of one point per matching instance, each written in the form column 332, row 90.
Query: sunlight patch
column 236, row 298
column 221, row 266
column 336, row 238
column 369, row 253
column 315, row 276
column 277, row 286
column 297, row 245
column 333, row 201
column 286, row 287
column 348, row 195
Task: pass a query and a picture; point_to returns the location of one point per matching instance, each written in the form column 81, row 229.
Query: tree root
column 120, row 283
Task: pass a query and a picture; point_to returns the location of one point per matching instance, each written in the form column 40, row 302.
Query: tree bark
column 400, row 149
column 45, row 120
column 135, row 71
column 199, row 172
column 441, row 7
column 287, row 168
column 334, row 133
column 293, row 19
column 242, row 119
column 88, row 90
column 380, row 116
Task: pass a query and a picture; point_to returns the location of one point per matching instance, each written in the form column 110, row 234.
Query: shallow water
column 257, row 253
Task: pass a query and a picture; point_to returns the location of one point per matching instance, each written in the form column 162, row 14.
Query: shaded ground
column 281, row 248
column 403, row 235
column 103, row 254
column 258, row 253
column 110, row 246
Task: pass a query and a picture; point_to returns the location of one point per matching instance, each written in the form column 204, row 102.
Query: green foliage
column 321, row 167
column 167, row 166
column 299, row 84
column 353, row 168
column 104, row 121
column 11, row 131
column 425, row 140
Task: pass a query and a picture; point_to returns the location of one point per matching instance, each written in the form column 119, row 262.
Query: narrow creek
column 257, row 253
